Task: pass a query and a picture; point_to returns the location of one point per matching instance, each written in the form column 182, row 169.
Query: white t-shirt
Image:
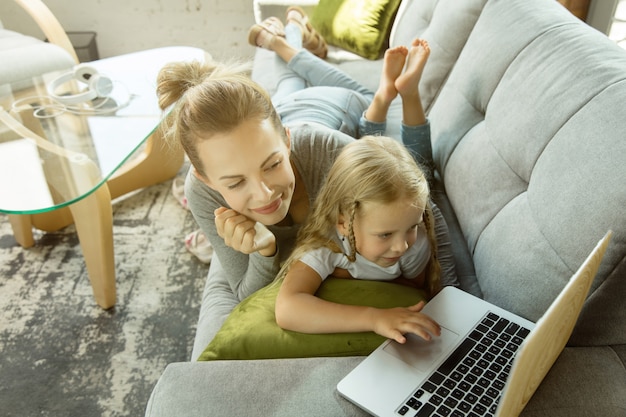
column 411, row 264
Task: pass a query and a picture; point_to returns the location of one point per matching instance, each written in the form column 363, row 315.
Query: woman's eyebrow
column 230, row 177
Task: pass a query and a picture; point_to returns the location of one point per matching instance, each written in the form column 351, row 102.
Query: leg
column 288, row 81
column 319, row 73
column 407, row 84
column 296, row 61
column 311, row 39
column 285, row 42
column 22, row 229
column 415, row 127
column 93, row 217
column 308, row 37
column 374, row 119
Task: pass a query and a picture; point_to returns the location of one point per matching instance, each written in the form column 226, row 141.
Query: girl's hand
column 393, row 323
column 242, row 234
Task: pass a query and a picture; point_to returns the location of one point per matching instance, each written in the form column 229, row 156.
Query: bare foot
column 393, row 65
column 407, row 83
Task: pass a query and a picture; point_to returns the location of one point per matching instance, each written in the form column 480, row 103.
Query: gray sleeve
column 245, row 273
column 444, row 249
column 314, row 150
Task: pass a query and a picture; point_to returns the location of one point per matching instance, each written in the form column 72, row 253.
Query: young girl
column 371, row 220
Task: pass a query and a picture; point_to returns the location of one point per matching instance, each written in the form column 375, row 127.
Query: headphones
column 97, row 85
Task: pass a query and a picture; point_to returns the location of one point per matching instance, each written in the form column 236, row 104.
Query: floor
column 62, row 355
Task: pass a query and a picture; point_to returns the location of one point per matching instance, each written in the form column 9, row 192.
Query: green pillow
column 251, row 332
column 358, row 26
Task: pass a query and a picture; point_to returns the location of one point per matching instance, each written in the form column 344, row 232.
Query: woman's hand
column 242, row 234
column 394, row 323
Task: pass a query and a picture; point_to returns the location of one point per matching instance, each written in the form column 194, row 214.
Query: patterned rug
column 61, row 354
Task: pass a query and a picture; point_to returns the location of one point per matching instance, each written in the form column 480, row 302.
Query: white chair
column 24, row 57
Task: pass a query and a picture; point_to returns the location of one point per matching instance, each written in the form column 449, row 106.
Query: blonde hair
column 204, row 99
column 371, row 169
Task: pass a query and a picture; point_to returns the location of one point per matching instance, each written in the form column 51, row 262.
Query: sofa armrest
column 49, row 24
column 281, row 387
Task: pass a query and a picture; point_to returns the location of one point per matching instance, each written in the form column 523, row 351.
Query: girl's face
column 250, row 168
column 384, row 232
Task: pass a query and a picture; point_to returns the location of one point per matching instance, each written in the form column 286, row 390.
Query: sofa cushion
column 588, row 382
column 302, row 387
column 251, row 332
column 584, row 381
column 356, row 26
column 445, row 24
column 525, row 133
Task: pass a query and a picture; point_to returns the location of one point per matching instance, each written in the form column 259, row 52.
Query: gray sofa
column 526, row 105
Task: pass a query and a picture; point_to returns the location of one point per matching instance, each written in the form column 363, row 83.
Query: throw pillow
column 251, row 332
column 358, row 26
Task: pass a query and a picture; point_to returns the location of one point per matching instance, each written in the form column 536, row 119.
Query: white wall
column 122, row 26
column 601, row 13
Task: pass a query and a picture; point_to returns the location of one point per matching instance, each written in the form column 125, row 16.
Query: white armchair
column 24, row 57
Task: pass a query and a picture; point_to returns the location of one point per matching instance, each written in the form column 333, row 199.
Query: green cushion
column 359, row 26
column 251, row 332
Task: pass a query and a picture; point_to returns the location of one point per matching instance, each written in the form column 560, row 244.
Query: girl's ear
column 342, row 225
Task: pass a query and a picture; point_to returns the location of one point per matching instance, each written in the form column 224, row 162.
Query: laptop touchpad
column 419, row 353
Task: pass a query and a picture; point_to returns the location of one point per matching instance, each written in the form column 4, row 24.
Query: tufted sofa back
column 446, row 24
column 529, row 136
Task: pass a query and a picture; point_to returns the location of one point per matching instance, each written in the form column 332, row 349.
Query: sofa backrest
column 445, row 24
column 529, row 136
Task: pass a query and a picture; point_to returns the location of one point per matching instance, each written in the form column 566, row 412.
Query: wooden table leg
column 93, row 217
column 22, row 229
column 157, row 163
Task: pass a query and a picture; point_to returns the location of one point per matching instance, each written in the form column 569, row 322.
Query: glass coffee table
column 59, row 166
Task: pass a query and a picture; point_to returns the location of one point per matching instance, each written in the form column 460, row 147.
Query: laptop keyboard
column 469, row 383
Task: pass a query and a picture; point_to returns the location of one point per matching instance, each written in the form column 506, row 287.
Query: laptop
column 487, row 361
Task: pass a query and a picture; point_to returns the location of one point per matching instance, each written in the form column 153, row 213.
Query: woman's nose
column 263, row 191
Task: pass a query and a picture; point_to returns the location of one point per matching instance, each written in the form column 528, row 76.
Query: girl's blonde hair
column 203, row 99
column 371, row 169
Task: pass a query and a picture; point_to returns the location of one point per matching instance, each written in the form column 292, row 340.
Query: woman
column 258, row 163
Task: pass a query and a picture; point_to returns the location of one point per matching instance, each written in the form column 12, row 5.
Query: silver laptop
column 487, row 362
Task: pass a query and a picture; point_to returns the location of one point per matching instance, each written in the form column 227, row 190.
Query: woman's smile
column 270, row 208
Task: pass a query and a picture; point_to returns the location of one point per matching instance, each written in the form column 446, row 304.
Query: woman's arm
column 298, row 309
column 245, row 273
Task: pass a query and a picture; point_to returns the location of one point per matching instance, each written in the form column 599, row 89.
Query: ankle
column 265, row 40
column 384, row 96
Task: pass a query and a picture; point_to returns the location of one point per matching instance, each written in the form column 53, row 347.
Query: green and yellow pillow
column 358, row 26
column 251, row 332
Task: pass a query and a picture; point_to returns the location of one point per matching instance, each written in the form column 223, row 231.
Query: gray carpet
column 62, row 355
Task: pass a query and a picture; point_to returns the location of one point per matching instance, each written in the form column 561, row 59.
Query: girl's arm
column 298, row 309
column 416, row 282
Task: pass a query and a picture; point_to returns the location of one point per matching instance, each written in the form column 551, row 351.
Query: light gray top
column 324, row 261
column 314, row 149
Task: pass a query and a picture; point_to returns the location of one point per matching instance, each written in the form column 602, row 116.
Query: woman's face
column 250, row 168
